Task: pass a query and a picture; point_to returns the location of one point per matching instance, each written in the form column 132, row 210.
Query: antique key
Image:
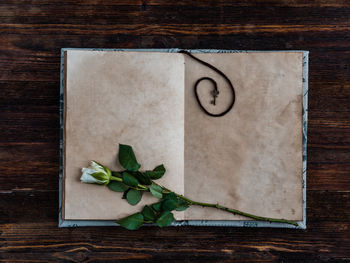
column 215, row 93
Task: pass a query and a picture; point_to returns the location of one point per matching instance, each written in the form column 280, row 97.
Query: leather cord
column 215, row 91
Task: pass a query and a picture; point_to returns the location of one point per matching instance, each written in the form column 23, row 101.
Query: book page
column 134, row 98
column 251, row 158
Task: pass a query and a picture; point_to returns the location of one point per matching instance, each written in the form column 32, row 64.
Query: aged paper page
column 251, row 158
column 134, row 98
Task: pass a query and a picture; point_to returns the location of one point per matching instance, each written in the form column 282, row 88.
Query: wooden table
column 32, row 33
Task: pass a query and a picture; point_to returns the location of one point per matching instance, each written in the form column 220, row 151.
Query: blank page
column 251, row 158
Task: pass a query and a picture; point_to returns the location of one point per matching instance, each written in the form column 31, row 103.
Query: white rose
column 95, row 174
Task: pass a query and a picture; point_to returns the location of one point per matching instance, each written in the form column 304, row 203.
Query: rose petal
column 87, row 176
column 97, row 167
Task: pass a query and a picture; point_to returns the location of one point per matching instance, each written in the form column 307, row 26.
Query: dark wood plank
column 207, row 3
column 270, row 16
column 325, row 241
column 32, row 34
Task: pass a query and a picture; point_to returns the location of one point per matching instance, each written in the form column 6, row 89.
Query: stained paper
column 250, row 159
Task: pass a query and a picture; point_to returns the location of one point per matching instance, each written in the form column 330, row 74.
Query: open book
column 251, row 159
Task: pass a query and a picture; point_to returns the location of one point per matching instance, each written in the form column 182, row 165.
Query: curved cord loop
column 215, row 91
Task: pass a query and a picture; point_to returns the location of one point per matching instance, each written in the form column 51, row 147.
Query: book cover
column 252, row 159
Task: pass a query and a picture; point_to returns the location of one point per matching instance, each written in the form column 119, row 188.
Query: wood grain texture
column 32, row 33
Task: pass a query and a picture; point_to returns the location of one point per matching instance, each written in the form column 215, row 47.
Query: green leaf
column 157, row 172
column 127, row 158
column 156, row 191
column 172, row 202
column 165, row 219
column 169, row 205
column 116, row 174
column 148, row 213
column 133, row 196
column 130, row 180
column 117, row 186
column 182, row 208
column 143, row 178
column 132, row 222
column 181, row 205
column 171, row 196
column 157, row 206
